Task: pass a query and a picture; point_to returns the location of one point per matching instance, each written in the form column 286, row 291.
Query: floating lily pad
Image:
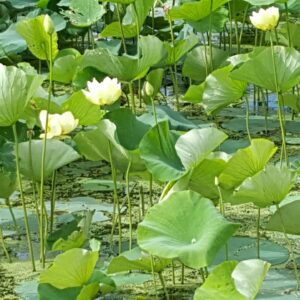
column 131, row 278
column 279, row 285
column 98, row 185
column 242, row 248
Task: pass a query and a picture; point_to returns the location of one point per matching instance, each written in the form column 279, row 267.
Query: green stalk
column 174, row 75
column 243, row 24
column 36, row 203
column 151, row 190
column 122, row 28
column 247, row 118
column 210, row 34
column 290, row 246
column 42, row 200
column 162, row 281
column 222, row 210
column 173, row 271
column 230, row 29
column 29, row 242
column 133, row 108
column 258, row 233
column 3, row 246
column 182, row 274
column 129, row 204
column 280, row 115
column 287, row 23
column 153, row 275
column 7, row 202
column 53, row 192
column 116, row 200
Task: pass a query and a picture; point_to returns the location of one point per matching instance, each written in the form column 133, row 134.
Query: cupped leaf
column 126, row 68
column 135, row 17
column 136, row 260
column 185, row 226
column 260, row 71
column 267, row 187
column 288, row 216
column 157, row 148
column 234, row 280
column 195, row 11
column 216, row 22
column 194, row 146
column 58, row 154
column 248, row 277
column 65, row 66
column 17, row 88
column 94, row 145
column 73, row 268
column 247, row 162
column 180, row 48
column 221, row 90
column 11, row 42
column 84, row 13
column 129, row 129
column 49, row 292
column 38, row 40
column 198, row 62
column 86, row 112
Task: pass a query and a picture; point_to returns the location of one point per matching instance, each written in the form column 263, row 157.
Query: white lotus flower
column 67, row 122
column 57, row 124
column 104, row 93
column 265, row 19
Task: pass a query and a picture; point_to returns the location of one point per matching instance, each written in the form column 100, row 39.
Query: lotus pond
column 149, row 149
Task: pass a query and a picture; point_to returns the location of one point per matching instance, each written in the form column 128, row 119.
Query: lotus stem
column 258, row 233
column 3, row 246
column 222, row 211
column 36, row 203
column 280, row 114
column 174, row 74
column 121, row 27
column 173, row 272
column 290, row 246
column 243, row 24
column 133, row 108
column 142, row 200
column 287, row 23
column 129, row 204
column 42, row 200
column 182, row 273
column 247, row 118
column 151, row 189
column 53, row 195
column 116, row 200
column 153, row 275
column 162, row 280
column 29, row 242
column 7, row 202
column 210, row 34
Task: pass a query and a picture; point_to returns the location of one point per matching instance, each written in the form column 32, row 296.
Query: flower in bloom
column 57, row 124
column 265, row 19
column 103, row 93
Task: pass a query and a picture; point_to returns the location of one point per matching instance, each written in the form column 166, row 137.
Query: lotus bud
column 216, row 181
column 105, row 93
column 265, row 19
column 149, row 90
column 48, row 25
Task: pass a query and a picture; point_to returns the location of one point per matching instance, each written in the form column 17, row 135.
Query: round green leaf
column 17, row 88
column 259, row 69
column 70, row 269
column 58, row 154
column 157, row 148
column 185, row 226
column 194, row 146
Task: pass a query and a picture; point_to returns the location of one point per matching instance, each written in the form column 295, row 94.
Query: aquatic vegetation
column 160, row 122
